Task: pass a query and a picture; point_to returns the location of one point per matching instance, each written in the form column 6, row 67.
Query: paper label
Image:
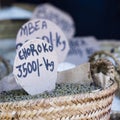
column 81, row 48
column 61, row 18
column 80, row 74
column 45, row 30
column 35, row 66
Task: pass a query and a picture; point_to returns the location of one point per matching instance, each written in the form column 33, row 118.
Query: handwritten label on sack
column 81, row 48
column 45, row 30
column 35, row 66
column 54, row 14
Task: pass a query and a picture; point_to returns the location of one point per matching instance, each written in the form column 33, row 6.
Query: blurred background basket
column 115, row 115
column 9, row 28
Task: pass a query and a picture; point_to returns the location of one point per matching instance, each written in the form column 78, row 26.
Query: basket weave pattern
column 88, row 106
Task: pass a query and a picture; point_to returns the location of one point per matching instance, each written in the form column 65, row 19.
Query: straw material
column 107, row 55
column 90, row 106
column 85, row 106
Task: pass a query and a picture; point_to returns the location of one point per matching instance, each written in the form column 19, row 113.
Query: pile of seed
column 60, row 90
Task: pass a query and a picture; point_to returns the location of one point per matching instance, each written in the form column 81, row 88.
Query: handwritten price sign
column 35, row 66
column 47, row 31
column 54, row 14
column 81, row 48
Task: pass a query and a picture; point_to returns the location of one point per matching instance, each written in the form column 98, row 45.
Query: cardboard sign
column 35, row 66
column 52, row 13
column 80, row 74
column 45, row 30
column 81, row 48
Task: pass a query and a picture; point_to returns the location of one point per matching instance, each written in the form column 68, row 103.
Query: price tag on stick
column 35, row 66
column 45, row 30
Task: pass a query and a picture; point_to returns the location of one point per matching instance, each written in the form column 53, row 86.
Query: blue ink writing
column 90, row 50
column 31, row 27
column 35, row 66
column 28, row 68
column 48, row 66
column 55, row 17
column 76, row 51
column 44, row 25
column 57, row 41
column 33, row 50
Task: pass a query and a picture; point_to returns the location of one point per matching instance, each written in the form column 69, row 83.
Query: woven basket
column 95, row 105
column 9, row 28
column 115, row 115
